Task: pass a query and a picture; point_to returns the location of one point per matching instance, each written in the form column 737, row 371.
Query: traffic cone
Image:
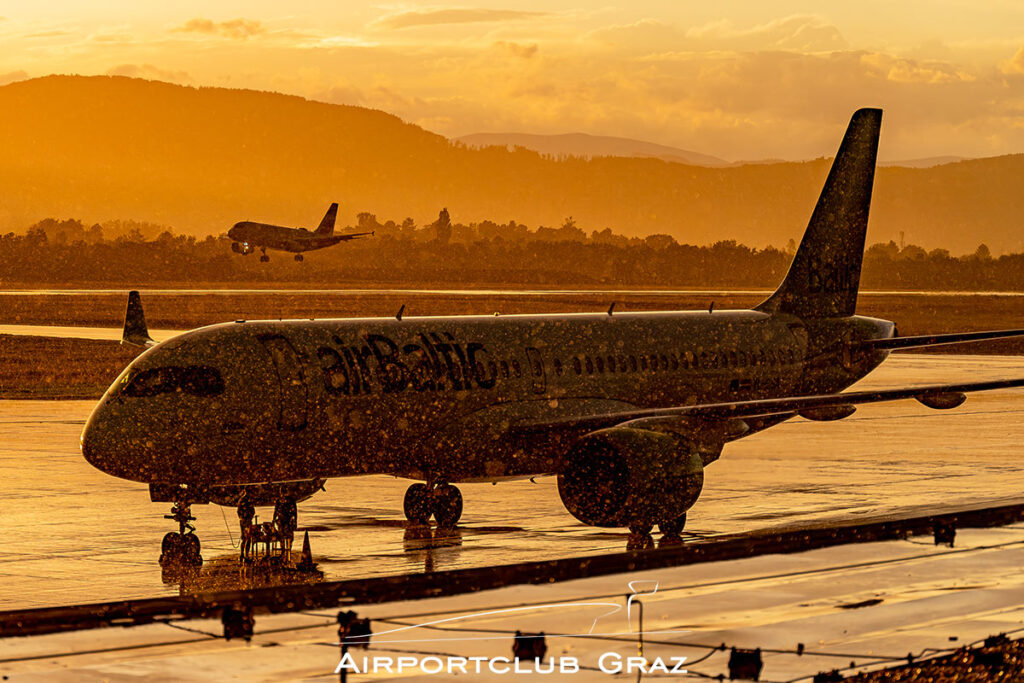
column 306, row 560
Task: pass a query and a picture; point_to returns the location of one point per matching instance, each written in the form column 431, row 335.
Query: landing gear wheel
column 190, row 543
column 447, row 505
column 674, row 528
column 418, row 504
column 170, row 548
column 298, row 257
column 264, row 258
column 181, row 550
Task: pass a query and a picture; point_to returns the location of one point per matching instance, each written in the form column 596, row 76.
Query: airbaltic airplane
column 248, row 236
column 627, row 409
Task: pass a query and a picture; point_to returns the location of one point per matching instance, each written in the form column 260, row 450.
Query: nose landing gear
column 442, row 502
column 181, row 548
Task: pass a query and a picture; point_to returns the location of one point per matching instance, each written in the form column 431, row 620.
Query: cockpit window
column 198, row 380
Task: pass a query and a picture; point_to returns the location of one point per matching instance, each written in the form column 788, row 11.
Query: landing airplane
column 627, row 409
column 248, row 236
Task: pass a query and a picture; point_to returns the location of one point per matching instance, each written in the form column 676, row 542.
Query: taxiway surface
column 73, row 534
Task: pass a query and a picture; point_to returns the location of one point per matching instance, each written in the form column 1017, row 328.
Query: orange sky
column 736, row 79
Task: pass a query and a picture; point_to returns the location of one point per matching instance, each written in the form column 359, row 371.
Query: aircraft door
column 293, row 393
column 535, row 363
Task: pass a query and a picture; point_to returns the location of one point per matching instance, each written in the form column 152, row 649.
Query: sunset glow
column 739, row 80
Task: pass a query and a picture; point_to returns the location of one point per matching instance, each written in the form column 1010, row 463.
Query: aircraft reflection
column 422, row 543
column 228, row 573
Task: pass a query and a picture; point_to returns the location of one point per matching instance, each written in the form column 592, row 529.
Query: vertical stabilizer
column 825, row 274
column 135, row 331
column 327, row 224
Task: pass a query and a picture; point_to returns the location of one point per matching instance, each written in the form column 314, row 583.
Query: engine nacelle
column 622, row 476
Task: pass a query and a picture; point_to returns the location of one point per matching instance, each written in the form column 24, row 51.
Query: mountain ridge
column 200, row 159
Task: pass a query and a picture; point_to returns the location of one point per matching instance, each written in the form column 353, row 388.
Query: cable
column 228, row 527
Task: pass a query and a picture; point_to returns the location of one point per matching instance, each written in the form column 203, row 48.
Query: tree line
column 133, row 253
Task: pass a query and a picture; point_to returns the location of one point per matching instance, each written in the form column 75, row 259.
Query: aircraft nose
column 103, row 445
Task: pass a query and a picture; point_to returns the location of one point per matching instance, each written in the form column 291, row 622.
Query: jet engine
column 242, row 248
column 623, row 476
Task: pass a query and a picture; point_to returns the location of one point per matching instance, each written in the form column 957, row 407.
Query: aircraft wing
column 939, row 396
column 933, row 340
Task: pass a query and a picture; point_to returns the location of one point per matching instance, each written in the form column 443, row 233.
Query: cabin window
column 611, row 363
column 673, row 361
column 577, row 366
column 558, row 366
column 741, row 357
column 632, row 363
column 504, row 369
column 600, row 363
column 733, row 362
column 590, row 366
column 493, row 367
column 643, row 362
column 516, row 369
column 197, row 380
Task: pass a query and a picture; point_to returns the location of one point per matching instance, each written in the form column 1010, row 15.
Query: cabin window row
column 687, row 360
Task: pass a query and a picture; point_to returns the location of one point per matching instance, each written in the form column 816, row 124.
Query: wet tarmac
column 73, row 534
column 860, row 606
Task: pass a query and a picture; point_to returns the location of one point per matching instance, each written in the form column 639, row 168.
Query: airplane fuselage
column 295, row 240
column 438, row 397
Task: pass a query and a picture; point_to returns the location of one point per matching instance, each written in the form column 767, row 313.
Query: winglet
column 135, row 331
column 327, row 224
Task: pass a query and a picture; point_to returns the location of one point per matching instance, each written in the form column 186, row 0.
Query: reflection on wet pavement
column 73, row 534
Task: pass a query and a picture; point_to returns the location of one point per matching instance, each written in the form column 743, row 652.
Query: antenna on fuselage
column 711, row 307
column 611, row 308
column 398, row 316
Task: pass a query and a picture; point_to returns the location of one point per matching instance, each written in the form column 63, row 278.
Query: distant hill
column 927, row 162
column 200, row 159
column 589, row 146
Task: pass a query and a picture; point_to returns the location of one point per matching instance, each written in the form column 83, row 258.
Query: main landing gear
column 298, row 257
column 263, row 257
column 443, row 502
column 181, row 548
column 671, row 534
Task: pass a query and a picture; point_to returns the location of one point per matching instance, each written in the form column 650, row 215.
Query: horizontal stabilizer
column 933, row 340
column 135, row 333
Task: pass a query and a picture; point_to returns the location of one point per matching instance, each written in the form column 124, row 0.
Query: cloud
column 238, row 29
column 56, row 33
column 796, row 33
column 901, row 70
column 518, row 49
column 13, row 76
column 149, row 72
column 1014, row 67
column 451, row 16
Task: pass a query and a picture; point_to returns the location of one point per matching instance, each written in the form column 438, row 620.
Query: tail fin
column 327, row 224
column 135, row 331
column 825, row 274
